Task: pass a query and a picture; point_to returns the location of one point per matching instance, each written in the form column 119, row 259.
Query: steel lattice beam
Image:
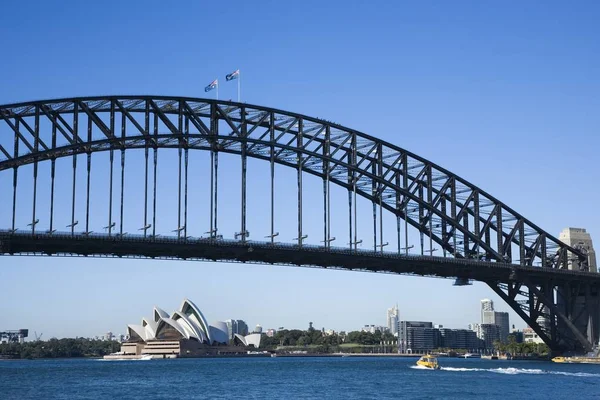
column 448, row 210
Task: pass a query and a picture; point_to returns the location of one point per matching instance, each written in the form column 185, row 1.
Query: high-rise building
column 489, row 333
column 491, row 317
column 501, row 319
column 392, row 320
column 236, row 326
column 242, row 327
column 579, row 239
column 487, row 311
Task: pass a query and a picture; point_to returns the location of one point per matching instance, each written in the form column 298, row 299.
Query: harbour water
column 295, row 378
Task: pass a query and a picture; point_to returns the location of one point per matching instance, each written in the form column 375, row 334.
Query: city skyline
column 468, row 94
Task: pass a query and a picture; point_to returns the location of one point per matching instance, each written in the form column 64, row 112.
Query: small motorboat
column 428, row 362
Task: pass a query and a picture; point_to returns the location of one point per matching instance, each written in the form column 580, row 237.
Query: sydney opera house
column 184, row 333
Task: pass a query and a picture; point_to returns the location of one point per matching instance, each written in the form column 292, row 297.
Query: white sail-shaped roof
column 150, row 328
column 239, row 338
column 169, row 329
column 252, row 339
column 159, row 313
column 189, row 309
column 219, row 332
column 186, row 323
column 190, row 326
column 136, row 333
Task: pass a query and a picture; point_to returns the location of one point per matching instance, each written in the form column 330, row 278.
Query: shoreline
column 266, row 355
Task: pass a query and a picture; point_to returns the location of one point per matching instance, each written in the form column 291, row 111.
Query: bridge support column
column 566, row 316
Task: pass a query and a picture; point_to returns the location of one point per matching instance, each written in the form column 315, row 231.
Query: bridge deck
column 133, row 246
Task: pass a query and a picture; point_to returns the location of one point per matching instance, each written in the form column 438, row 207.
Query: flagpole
column 217, row 90
column 239, row 84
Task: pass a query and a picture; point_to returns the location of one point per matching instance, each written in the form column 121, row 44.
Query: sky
column 505, row 95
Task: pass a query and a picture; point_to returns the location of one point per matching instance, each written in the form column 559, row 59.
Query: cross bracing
column 463, row 220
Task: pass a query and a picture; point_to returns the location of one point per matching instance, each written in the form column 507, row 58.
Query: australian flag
column 212, row 85
column 234, row 75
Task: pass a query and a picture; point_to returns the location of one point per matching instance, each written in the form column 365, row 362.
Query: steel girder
column 463, row 219
column 457, row 215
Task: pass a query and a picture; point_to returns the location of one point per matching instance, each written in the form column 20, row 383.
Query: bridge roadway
column 211, row 249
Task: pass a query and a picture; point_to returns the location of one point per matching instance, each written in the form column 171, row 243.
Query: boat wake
column 518, row 371
column 420, row 367
column 145, row 358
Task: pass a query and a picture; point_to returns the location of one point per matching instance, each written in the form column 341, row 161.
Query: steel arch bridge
column 544, row 280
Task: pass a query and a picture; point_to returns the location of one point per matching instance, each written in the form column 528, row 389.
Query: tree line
column 59, row 348
column 313, row 337
column 521, row 349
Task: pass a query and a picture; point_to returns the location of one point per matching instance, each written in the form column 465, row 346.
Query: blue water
column 295, row 378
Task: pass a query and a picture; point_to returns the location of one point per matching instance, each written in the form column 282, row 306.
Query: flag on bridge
column 234, row 75
column 213, row 85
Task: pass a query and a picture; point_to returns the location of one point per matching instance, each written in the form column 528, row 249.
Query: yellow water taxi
column 577, row 360
column 428, row 362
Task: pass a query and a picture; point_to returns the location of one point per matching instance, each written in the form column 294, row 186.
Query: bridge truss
column 545, row 281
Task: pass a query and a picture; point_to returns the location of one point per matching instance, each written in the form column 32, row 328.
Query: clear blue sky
column 504, row 94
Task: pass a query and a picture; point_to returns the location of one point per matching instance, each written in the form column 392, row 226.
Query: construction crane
column 38, row 337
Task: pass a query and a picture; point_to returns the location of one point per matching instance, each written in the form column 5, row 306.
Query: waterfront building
column 458, row 339
column 518, row 335
column 252, row 339
column 258, row 329
column 421, row 340
column 489, row 333
column 373, row 328
column 185, row 332
column 271, row 332
column 415, row 336
column 393, row 316
column 529, row 336
column 579, row 239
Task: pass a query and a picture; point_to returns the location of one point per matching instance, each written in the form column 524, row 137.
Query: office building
column 489, row 333
column 529, row 336
column 393, row 316
column 501, row 319
column 491, row 317
column 416, row 336
column 236, row 326
column 373, row 328
column 487, row 311
column 458, row 339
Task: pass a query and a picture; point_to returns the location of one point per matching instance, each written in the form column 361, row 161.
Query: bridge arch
column 466, row 221
column 441, row 205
